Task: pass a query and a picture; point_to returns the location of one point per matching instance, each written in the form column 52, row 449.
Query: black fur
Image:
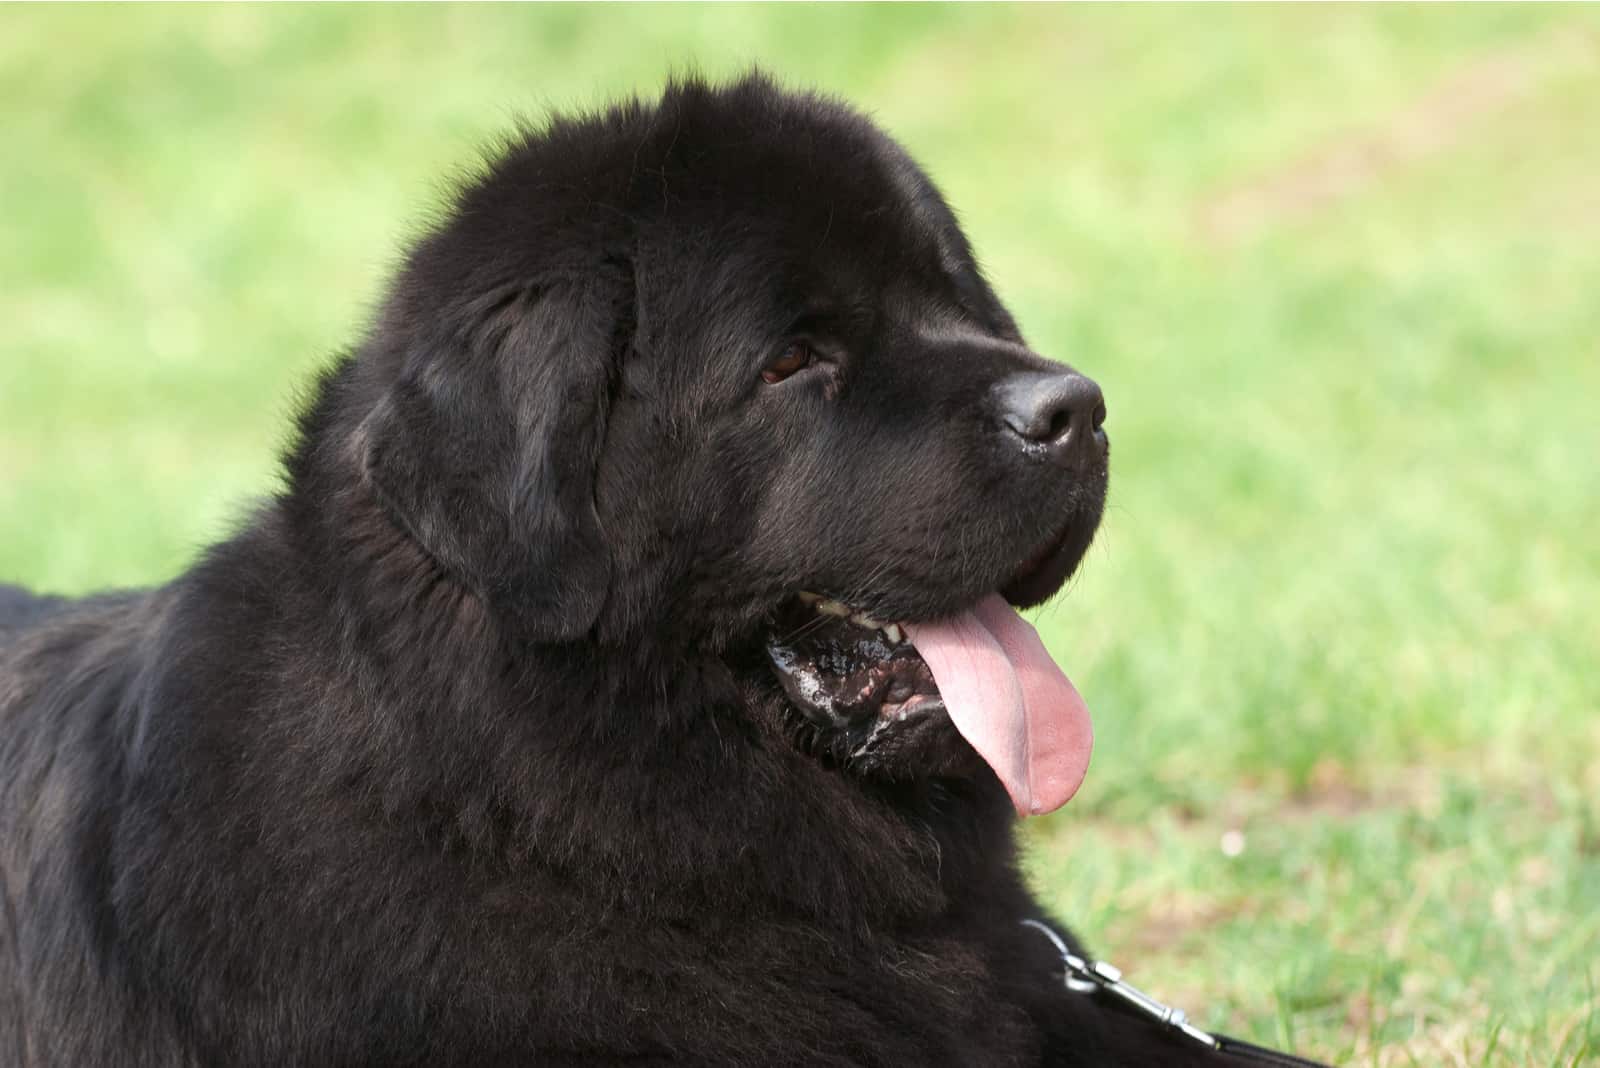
column 462, row 753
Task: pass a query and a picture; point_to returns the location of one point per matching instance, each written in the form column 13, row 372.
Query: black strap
column 1261, row 1055
column 1099, row 979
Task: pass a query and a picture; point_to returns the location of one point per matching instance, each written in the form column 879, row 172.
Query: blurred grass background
column 1337, row 268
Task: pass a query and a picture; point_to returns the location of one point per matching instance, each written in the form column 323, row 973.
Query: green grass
column 1337, row 268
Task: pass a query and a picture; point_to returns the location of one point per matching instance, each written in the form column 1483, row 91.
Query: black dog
column 625, row 674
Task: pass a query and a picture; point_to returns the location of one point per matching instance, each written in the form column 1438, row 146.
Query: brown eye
column 797, row 356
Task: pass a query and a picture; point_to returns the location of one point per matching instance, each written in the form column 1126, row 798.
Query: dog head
column 724, row 368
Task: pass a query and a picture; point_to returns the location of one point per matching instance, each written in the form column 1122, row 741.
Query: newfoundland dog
column 628, row 671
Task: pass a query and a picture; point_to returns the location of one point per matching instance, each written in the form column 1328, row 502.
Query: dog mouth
column 984, row 668
column 843, row 668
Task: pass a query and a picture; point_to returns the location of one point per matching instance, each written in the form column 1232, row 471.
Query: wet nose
column 1061, row 413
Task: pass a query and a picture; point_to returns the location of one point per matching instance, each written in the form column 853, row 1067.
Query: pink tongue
column 1010, row 701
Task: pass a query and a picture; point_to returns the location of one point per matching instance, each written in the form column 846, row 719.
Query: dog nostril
column 1064, row 407
column 1063, row 412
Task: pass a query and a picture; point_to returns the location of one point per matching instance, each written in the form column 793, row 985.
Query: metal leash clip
column 1093, row 977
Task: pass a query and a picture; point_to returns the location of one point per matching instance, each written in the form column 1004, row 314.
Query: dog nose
column 1060, row 411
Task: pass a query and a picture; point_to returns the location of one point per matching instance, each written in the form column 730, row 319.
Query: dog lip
column 1043, row 573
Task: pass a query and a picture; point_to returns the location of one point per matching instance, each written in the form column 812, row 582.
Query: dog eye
column 797, row 356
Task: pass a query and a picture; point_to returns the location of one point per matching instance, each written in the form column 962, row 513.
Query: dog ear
column 486, row 446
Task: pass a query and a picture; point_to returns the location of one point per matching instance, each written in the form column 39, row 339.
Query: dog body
column 468, row 749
